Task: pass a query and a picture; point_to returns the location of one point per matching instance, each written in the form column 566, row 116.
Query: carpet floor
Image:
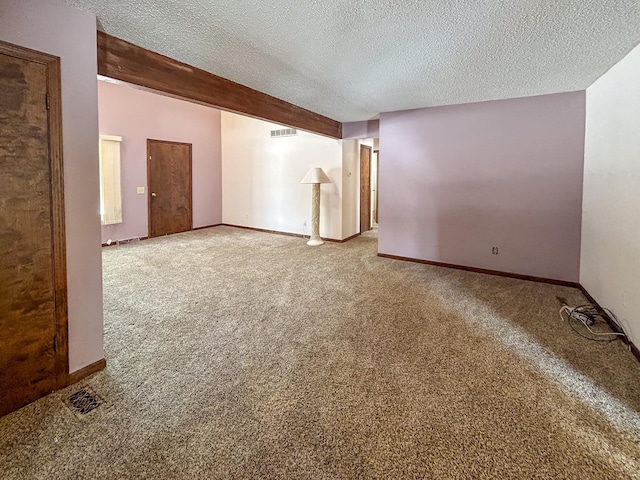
column 238, row 354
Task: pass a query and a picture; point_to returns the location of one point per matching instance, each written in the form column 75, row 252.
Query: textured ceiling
column 351, row 60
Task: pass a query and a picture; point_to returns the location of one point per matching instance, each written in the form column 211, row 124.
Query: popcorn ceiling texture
column 352, row 60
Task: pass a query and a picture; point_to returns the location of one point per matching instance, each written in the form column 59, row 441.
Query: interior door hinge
column 55, row 343
column 47, row 100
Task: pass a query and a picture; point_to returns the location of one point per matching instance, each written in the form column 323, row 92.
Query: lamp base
column 314, row 242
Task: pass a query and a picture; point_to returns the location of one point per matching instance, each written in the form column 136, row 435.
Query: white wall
column 261, row 177
column 610, row 254
column 350, row 187
column 52, row 27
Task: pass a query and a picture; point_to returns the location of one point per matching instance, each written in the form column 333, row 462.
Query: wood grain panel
column 289, row 234
column 170, row 187
column 519, row 276
column 86, row 371
column 33, row 312
column 365, row 188
column 129, row 63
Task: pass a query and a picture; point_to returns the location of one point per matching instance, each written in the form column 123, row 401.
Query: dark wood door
column 365, row 188
column 169, row 173
column 375, row 187
column 33, row 314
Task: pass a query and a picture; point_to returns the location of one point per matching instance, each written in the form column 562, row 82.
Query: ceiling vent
column 284, row 132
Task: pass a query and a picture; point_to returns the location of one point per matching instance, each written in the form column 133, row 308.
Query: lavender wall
column 365, row 129
column 52, row 27
column 456, row 181
column 136, row 116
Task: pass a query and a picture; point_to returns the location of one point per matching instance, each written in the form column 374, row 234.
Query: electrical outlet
column 304, row 223
column 246, row 215
column 494, row 250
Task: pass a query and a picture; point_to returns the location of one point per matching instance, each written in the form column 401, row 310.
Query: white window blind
column 110, row 189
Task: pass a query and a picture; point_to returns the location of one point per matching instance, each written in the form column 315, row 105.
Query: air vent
column 128, row 240
column 83, row 402
column 284, row 132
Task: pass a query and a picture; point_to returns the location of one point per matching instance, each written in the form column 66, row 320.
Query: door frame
column 56, row 197
column 190, row 145
column 362, row 148
column 377, row 152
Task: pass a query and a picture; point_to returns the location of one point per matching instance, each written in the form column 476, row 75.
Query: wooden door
column 33, row 309
column 375, row 187
column 365, row 188
column 169, row 173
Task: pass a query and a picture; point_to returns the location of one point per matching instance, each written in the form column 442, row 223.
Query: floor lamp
column 315, row 176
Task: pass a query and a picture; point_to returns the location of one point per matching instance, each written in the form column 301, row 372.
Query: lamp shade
column 315, row 175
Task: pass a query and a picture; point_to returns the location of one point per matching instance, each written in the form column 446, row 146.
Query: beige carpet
column 237, row 354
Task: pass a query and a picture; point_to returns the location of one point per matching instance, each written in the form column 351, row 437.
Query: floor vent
column 83, row 402
column 128, row 240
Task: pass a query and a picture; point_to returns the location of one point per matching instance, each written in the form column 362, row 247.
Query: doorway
column 374, row 186
column 33, row 285
column 170, row 187
column 365, row 188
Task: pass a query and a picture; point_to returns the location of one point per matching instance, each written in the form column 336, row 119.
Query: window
column 110, row 190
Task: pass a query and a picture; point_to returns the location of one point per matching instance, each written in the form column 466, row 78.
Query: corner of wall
column 610, row 231
column 69, row 33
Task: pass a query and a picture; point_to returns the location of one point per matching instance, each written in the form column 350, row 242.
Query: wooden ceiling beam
column 129, row 63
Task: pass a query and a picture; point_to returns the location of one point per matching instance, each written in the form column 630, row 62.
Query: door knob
column 153, row 194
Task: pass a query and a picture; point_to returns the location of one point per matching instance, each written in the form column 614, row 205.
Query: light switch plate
column 140, row 190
